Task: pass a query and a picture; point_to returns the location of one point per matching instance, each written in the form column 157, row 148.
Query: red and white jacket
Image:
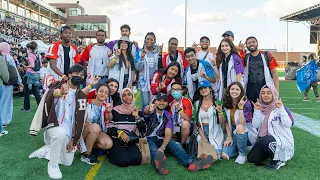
column 180, row 59
column 55, row 52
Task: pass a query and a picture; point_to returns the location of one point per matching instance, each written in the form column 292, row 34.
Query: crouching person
column 98, row 114
column 159, row 131
column 273, row 120
column 62, row 115
column 124, row 121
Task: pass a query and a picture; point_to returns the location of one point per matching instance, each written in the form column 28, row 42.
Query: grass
column 18, row 144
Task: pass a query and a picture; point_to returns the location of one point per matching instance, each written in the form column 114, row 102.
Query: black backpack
column 13, row 74
column 37, row 64
column 266, row 57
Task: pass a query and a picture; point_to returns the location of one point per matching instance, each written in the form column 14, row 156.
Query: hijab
column 125, row 108
column 266, row 109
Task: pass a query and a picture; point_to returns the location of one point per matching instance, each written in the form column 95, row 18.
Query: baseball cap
column 162, row 96
column 230, row 33
column 204, row 37
column 64, row 28
column 204, row 83
column 124, row 38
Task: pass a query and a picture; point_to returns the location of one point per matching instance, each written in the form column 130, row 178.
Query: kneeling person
column 62, row 121
column 159, row 132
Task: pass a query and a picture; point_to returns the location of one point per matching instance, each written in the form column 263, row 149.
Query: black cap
column 230, row 33
column 64, row 28
column 162, row 96
column 204, row 37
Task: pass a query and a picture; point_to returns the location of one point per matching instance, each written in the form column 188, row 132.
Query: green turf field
column 18, row 144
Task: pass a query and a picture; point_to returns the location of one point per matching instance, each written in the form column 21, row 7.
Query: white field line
column 307, row 124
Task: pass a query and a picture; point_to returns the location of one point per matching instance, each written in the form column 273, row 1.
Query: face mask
column 76, row 80
column 176, row 94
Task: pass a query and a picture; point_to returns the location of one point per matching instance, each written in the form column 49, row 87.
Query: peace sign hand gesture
column 279, row 103
column 256, row 105
column 135, row 112
column 241, row 46
column 242, row 101
column 195, row 45
column 118, row 52
column 109, row 108
column 143, row 53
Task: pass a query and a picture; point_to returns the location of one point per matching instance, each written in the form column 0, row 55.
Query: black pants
column 253, row 91
column 124, row 156
column 262, row 150
column 126, row 80
column 26, row 92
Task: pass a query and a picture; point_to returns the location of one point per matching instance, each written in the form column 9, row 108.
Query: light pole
column 185, row 23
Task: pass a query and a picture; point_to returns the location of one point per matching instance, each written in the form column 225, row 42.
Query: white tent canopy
column 42, row 47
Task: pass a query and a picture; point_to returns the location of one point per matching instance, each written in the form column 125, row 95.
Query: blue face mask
column 176, row 94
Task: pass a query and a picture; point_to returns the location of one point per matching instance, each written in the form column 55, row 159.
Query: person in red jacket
column 163, row 78
column 174, row 55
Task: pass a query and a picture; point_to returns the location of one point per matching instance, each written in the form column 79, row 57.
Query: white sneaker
column 4, row 132
column 40, row 153
column 241, row 159
column 54, row 171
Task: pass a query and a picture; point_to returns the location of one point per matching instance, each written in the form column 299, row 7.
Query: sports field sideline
column 18, row 144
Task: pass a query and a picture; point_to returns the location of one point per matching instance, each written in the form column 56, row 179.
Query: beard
column 161, row 109
column 101, row 41
column 205, row 48
column 253, row 50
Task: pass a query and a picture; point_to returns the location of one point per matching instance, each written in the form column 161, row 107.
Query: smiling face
column 225, row 47
column 266, row 95
column 127, row 97
column 204, row 43
column 125, row 32
column 191, row 58
column 172, row 72
column 173, row 44
column 252, row 45
column 102, row 93
column 204, row 91
column 161, row 104
column 123, row 45
column 150, row 41
column 235, row 91
column 113, row 87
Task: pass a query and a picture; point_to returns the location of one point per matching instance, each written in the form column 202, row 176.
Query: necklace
column 101, row 55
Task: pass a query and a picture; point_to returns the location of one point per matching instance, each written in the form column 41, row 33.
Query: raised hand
column 143, row 53
column 160, row 48
column 95, row 81
column 242, row 101
column 279, row 103
column 135, row 43
column 135, row 112
column 204, row 75
column 219, row 108
column 151, row 108
column 118, row 52
column 241, row 46
column 64, row 89
column 162, row 85
column 195, row 45
column 256, row 105
column 109, row 108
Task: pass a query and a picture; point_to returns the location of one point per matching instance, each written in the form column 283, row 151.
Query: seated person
column 181, row 110
column 159, row 131
column 125, row 119
column 274, row 121
column 96, row 124
column 63, row 124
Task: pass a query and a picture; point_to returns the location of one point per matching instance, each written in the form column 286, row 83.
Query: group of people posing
column 229, row 100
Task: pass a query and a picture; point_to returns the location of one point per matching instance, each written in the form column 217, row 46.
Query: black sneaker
column 89, row 159
column 275, row 164
column 25, row 110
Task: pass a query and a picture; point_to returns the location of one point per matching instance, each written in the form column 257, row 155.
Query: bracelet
column 180, row 111
column 89, row 86
column 59, row 93
column 120, row 134
column 240, row 107
column 63, row 76
column 220, row 113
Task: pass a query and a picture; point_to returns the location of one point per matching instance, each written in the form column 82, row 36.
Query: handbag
column 145, row 151
column 133, row 137
column 207, row 149
column 193, row 146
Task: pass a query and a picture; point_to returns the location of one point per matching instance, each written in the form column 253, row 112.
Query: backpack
column 266, row 57
column 37, row 64
column 13, row 74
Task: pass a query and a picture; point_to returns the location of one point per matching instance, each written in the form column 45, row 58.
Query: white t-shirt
column 201, row 54
column 101, row 56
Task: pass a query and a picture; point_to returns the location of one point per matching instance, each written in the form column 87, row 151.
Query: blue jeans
column 173, row 147
column 239, row 145
column 1, row 128
column 145, row 98
column 206, row 134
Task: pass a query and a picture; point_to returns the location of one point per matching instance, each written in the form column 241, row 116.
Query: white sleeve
column 257, row 119
column 285, row 119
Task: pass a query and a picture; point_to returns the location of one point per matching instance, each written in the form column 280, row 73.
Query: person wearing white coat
column 275, row 140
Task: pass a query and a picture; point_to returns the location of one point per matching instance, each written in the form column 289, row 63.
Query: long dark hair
column 221, row 56
column 200, row 103
column 112, row 80
column 129, row 56
column 164, row 71
column 227, row 99
column 149, row 33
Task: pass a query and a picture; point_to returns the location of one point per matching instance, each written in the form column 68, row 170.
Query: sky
column 259, row 18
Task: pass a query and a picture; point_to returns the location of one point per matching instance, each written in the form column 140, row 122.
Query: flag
column 307, row 75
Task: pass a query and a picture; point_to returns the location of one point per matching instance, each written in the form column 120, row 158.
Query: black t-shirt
column 225, row 65
column 194, row 75
column 66, row 67
column 173, row 59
